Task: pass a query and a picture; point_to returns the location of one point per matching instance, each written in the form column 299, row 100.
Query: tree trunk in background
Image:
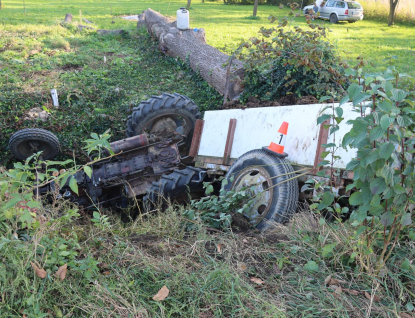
column 188, row 4
column 392, row 7
column 255, row 8
column 190, row 45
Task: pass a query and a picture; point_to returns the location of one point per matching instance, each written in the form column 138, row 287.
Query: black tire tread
column 33, row 134
column 177, row 183
column 287, row 191
column 156, row 103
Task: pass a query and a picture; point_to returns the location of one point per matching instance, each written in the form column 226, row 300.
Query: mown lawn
column 227, row 25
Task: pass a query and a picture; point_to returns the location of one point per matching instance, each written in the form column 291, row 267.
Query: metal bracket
column 229, row 141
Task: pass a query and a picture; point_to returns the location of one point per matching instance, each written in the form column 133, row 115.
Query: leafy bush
column 292, row 61
column 216, row 211
column 383, row 171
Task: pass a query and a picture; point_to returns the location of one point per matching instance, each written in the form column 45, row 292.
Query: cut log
column 190, row 45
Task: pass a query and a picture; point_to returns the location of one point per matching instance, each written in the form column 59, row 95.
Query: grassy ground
column 115, row 269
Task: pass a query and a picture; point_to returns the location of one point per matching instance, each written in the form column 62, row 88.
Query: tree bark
column 392, row 7
column 188, row 4
column 255, row 8
column 190, row 46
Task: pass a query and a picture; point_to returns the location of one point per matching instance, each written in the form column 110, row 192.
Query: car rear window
column 354, row 5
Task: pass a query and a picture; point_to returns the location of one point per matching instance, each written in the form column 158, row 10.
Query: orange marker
column 279, row 146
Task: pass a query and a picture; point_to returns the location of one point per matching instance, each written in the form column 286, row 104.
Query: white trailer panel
column 258, row 127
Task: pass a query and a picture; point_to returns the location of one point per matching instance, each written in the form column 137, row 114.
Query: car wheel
column 333, row 18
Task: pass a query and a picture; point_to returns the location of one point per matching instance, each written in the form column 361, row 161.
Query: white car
column 337, row 10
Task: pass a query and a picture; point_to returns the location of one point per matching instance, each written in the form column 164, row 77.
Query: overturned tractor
column 158, row 159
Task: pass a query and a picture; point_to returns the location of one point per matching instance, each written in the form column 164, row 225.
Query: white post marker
column 55, row 100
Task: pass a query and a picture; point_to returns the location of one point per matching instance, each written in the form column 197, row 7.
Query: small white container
column 182, row 19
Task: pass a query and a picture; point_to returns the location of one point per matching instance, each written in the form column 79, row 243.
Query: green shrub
column 295, row 61
column 382, row 201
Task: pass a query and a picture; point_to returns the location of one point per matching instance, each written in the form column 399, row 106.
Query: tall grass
column 379, row 10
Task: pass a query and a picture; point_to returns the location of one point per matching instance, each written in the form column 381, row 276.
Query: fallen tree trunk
column 190, row 45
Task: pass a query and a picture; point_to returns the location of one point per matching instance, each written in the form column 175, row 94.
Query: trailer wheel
column 176, row 185
column 165, row 115
column 271, row 184
column 29, row 141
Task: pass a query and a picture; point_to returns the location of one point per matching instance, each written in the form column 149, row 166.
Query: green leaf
column 375, row 201
column 18, row 165
column 73, row 184
column 330, row 145
column 387, row 86
column 333, row 129
column 406, row 265
column 353, row 90
column 88, row 171
column 406, row 219
column 344, row 100
column 326, row 200
column 356, row 198
column 398, row 95
column 385, row 106
column 64, row 179
column 209, row 189
column 34, row 204
column 12, row 202
column 324, row 98
column 387, row 172
column 311, row 266
column 376, row 133
column 352, row 165
column 400, row 121
column 385, row 121
column 350, row 186
column 339, row 111
column 361, row 97
column 26, row 218
column 96, row 215
column 64, row 253
column 387, row 218
column 360, row 230
column 386, row 150
column 372, row 157
column 328, row 250
column 322, row 118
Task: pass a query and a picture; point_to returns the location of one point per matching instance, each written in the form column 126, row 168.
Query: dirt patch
column 254, row 102
column 70, row 67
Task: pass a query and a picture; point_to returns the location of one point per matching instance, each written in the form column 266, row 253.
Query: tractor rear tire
column 176, row 186
column 26, row 142
column 164, row 116
column 272, row 184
